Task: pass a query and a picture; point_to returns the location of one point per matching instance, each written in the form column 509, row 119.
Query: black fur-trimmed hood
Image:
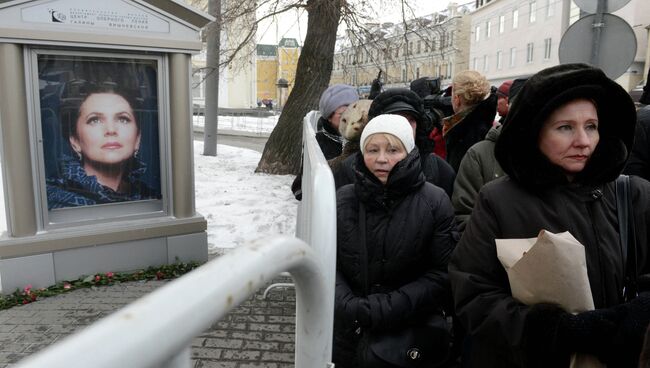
column 517, row 148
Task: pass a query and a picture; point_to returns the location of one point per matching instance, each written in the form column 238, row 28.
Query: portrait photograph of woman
column 99, row 121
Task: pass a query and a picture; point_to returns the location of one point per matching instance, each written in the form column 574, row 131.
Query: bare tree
column 212, row 80
column 282, row 152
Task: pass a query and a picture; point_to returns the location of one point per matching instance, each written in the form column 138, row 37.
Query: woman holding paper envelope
column 395, row 235
column 565, row 141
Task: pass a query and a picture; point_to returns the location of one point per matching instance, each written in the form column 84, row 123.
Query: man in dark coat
column 402, row 101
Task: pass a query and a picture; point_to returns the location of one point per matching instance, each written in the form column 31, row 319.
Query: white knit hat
column 392, row 124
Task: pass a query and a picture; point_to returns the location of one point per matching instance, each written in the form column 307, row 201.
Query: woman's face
column 569, row 136
column 106, row 130
column 335, row 119
column 380, row 156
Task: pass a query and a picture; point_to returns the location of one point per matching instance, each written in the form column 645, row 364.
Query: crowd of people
column 422, row 203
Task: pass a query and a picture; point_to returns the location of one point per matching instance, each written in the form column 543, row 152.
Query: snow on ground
column 239, row 204
column 249, row 124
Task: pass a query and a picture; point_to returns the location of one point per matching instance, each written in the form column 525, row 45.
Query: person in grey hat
column 333, row 102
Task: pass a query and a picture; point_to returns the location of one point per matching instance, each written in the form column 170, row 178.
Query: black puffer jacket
column 472, row 129
column 534, row 196
column 410, row 233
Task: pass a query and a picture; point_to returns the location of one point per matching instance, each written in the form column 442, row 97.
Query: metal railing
column 157, row 329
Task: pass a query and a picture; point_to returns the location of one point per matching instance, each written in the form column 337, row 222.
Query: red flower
column 109, row 274
column 159, row 275
column 28, row 289
column 25, row 301
column 66, row 285
column 97, row 278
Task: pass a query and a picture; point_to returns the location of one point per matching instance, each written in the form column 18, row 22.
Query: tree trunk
column 283, row 150
column 211, row 116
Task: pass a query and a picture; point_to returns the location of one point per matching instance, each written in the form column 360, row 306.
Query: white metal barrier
column 157, row 330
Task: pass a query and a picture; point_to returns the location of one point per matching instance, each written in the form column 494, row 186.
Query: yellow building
column 273, row 64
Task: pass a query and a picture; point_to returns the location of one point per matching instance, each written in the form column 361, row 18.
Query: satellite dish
column 609, row 45
column 609, row 6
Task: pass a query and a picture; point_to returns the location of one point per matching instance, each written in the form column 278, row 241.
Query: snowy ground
column 239, row 204
column 247, row 124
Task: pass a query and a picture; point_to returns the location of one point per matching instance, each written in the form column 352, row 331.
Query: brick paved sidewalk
column 258, row 333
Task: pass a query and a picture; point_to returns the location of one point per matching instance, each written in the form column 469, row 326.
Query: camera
column 436, row 105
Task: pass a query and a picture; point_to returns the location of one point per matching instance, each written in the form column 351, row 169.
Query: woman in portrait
column 100, row 123
column 564, row 144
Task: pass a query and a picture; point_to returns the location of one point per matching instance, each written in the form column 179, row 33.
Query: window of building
column 403, row 75
column 477, row 33
column 502, row 23
column 529, row 52
column 550, row 8
column 397, row 52
column 513, row 56
column 488, row 29
column 499, row 59
column 417, row 72
column 547, row 48
column 485, row 63
column 532, row 11
column 474, row 65
column 515, row 19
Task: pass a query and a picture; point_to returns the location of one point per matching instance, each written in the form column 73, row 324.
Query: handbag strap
column 627, row 233
column 363, row 250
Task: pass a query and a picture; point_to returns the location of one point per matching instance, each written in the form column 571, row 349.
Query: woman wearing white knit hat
column 395, row 235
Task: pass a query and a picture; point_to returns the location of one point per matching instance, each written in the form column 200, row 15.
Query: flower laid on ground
column 28, row 294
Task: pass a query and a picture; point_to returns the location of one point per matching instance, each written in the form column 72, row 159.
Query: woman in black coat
column 409, row 235
column 565, row 141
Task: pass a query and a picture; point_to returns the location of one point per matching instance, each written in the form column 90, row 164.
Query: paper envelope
column 551, row 268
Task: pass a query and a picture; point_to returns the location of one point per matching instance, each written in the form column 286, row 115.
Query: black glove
column 354, row 310
column 634, row 317
column 551, row 334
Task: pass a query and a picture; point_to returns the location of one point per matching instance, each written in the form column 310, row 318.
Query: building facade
column 432, row 46
column 276, row 67
column 517, row 38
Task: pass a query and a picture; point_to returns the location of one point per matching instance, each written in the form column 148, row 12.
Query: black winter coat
column 436, row 171
column 639, row 161
column 329, row 139
column 472, row 129
column 410, row 234
column 536, row 195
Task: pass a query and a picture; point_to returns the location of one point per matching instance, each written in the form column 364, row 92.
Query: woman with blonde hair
column 475, row 107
